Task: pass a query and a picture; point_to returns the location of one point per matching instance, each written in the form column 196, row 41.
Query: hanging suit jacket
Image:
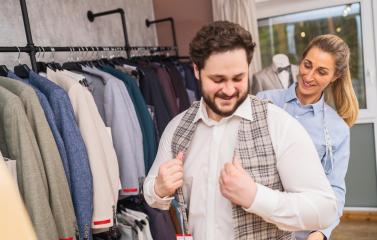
column 58, row 189
column 78, row 162
column 102, row 157
column 152, row 91
column 119, row 114
column 51, row 122
column 143, row 115
column 14, row 222
column 268, row 79
column 17, row 141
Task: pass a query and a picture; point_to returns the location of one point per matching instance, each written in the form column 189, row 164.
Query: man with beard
column 241, row 168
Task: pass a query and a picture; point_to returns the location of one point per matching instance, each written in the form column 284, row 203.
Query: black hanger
column 22, row 70
column 58, row 66
column 41, row 67
column 72, row 66
column 3, row 70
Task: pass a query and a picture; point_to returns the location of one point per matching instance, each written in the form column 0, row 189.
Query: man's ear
column 196, row 71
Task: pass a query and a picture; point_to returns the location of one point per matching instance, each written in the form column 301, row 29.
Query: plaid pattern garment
column 257, row 156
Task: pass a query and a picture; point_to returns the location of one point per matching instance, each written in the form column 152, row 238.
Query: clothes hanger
column 21, row 70
column 56, row 65
column 4, row 70
column 71, row 65
column 41, row 66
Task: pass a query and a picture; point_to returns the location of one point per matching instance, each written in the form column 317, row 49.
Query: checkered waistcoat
column 257, row 157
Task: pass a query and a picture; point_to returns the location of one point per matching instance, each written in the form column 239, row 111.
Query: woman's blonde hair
column 339, row 93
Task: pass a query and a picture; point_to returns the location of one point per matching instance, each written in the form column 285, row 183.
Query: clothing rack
column 91, row 16
column 171, row 20
column 31, row 49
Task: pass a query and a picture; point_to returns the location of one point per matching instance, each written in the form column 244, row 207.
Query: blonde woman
column 324, row 79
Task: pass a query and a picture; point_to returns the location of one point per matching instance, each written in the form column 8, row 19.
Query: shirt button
column 297, row 117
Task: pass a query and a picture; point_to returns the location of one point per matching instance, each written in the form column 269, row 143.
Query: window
column 291, row 33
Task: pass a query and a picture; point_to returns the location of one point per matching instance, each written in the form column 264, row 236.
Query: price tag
column 184, row 236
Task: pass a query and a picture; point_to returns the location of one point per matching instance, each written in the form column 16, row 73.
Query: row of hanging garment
column 83, row 132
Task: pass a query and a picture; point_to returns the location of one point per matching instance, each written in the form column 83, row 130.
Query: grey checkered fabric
column 180, row 143
column 257, row 156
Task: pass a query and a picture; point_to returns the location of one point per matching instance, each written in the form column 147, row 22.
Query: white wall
column 64, row 23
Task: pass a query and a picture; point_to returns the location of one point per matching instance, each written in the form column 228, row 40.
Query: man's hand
column 316, row 236
column 170, row 177
column 236, row 184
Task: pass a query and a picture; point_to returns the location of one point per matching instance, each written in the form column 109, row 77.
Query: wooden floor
column 356, row 228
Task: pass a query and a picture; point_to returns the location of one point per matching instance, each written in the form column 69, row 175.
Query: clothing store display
column 332, row 144
column 79, row 135
column 279, row 75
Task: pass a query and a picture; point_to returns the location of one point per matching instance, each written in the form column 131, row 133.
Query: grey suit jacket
column 57, row 185
column 268, row 79
column 17, row 141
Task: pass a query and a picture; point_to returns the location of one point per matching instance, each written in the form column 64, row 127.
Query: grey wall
column 64, row 23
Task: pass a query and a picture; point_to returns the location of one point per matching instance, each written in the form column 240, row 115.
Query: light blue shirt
column 315, row 117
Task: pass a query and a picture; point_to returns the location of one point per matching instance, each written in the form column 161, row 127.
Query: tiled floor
column 355, row 230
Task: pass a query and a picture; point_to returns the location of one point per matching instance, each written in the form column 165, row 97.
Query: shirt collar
column 243, row 111
column 290, row 95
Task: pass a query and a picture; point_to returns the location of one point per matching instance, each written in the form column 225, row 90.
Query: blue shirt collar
column 290, row 95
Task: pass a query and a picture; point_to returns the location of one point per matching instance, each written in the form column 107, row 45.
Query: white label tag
column 184, row 237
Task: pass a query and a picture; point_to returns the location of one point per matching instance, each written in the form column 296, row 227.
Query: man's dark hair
column 218, row 37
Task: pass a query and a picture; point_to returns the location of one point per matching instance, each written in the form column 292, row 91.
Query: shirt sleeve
column 337, row 179
column 163, row 154
column 308, row 202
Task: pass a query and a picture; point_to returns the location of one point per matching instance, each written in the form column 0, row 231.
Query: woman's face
column 317, row 71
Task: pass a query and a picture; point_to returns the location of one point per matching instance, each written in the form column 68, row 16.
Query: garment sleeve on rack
column 59, row 194
column 120, row 116
column 102, row 157
column 15, row 222
column 80, row 173
column 143, row 115
column 152, row 92
column 18, row 142
column 167, row 88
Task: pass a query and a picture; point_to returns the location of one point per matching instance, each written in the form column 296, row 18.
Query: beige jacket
column 102, row 157
column 14, row 222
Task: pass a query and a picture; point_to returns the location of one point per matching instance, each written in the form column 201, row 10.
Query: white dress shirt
column 307, row 203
